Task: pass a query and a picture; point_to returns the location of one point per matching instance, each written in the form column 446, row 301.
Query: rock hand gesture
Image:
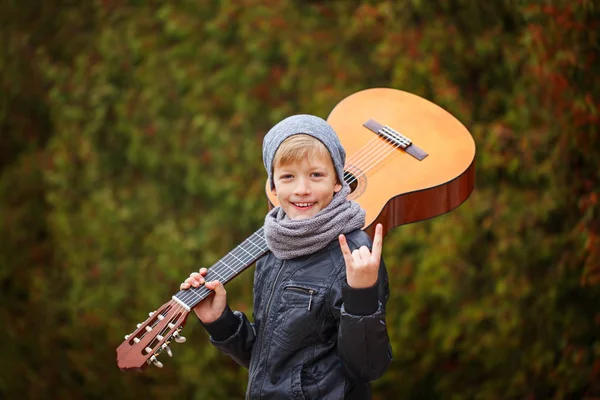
column 362, row 265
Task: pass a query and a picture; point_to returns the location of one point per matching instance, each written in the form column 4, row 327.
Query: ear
column 337, row 188
column 274, row 190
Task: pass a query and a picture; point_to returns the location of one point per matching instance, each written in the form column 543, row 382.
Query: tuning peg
column 178, row 337
column 155, row 361
column 166, row 348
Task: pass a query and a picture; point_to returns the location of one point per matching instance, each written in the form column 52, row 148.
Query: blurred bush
column 130, row 156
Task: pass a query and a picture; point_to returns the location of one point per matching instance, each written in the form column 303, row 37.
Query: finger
column 188, row 281
column 210, row 284
column 196, row 277
column 184, row 285
column 203, row 271
column 220, row 296
column 192, row 281
column 345, row 250
column 365, row 253
column 377, row 242
column 357, row 259
column 216, row 286
column 219, row 288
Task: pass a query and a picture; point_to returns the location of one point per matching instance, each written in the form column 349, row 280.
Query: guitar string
column 366, row 150
column 377, row 158
column 378, row 149
column 390, row 142
column 179, row 308
column 203, row 291
column 368, row 153
column 196, row 293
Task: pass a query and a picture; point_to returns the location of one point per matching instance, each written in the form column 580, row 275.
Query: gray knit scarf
column 288, row 238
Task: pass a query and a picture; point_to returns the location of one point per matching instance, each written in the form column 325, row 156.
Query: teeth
column 304, row 204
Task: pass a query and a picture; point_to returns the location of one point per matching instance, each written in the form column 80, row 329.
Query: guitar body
column 408, row 160
column 392, row 186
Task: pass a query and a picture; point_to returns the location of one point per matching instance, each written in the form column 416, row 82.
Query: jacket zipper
column 266, row 318
column 303, row 290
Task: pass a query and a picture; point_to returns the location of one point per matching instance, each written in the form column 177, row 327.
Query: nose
column 302, row 187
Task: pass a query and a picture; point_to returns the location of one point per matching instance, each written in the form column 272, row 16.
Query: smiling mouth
column 303, row 205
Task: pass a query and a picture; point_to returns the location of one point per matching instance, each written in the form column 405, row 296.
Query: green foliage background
column 130, row 156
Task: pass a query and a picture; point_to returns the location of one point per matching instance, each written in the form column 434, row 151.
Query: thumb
column 220, row 300
column 217, row 287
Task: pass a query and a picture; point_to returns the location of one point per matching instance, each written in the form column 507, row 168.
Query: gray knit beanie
column 310, row 125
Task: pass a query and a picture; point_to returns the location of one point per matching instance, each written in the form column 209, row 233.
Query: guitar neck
column 227, row 268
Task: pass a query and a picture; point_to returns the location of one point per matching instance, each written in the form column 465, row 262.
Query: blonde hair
column 299, row 147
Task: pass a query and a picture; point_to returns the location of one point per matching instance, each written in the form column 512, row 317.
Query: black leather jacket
column 313, row 336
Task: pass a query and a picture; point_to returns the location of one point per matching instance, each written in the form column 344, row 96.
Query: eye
column 285, row 176
column 318, row 174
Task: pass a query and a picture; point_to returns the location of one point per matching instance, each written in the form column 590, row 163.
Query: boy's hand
column 211, row 308
column 362, row 266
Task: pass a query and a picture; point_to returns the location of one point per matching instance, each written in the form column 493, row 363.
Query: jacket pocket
column 304, row 384
column 297, row 322
column 296, row 296
column 310, row 388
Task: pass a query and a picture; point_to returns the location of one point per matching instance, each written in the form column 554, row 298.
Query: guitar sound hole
column 351, row 179
column 356, row 179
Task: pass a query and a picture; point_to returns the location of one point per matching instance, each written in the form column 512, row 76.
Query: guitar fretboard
column 228, row 267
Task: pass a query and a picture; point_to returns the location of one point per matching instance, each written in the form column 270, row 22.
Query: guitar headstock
column 153, row 336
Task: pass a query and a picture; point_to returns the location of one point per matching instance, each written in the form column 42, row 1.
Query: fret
column 219, row 276
column 221, row 262
column 228, row 267
column 242, row 247
column 233, row 255
column 260, row 242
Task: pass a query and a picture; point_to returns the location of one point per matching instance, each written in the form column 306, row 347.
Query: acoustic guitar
column 408, row 160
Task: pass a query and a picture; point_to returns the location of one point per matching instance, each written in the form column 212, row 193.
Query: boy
column 319, row 327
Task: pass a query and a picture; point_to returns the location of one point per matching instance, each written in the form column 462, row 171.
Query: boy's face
column 305, row 187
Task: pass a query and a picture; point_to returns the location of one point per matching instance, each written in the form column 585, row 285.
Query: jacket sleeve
column 363, row 342
column 233, row 334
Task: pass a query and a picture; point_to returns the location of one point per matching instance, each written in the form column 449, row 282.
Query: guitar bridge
column 396, row 138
